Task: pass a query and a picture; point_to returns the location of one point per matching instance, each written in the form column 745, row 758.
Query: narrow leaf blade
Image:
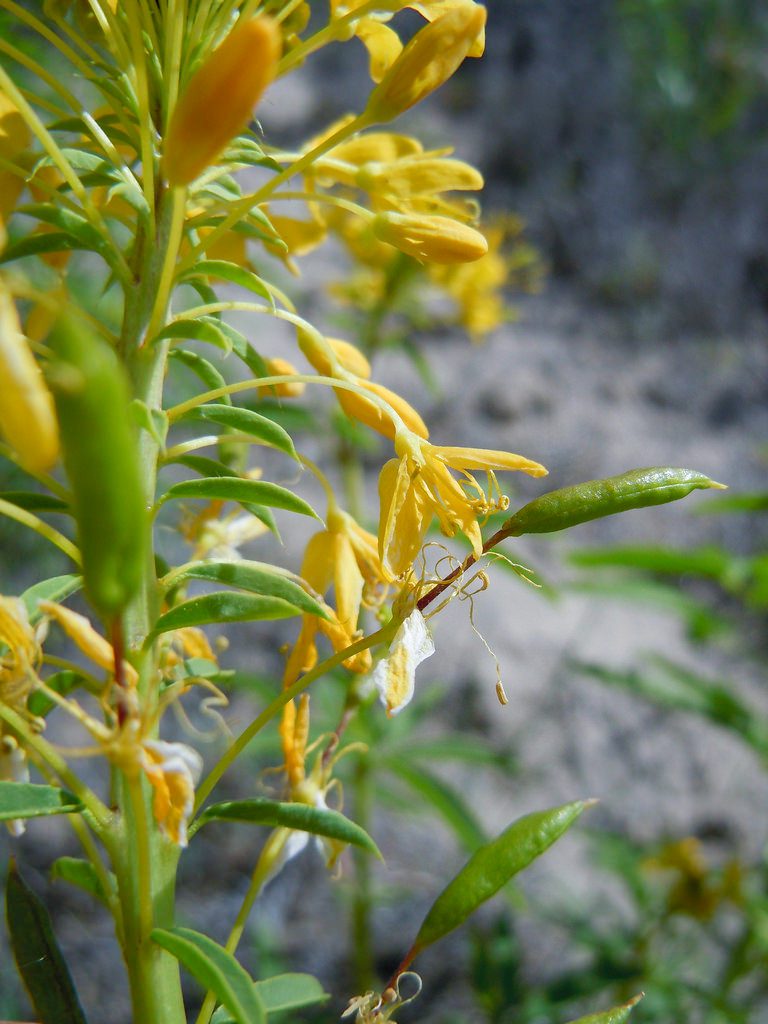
column 38, row 957
column 281, row 993
column 492, row 866
column 224, row 606
column 250, row 492
column 216, row 970
column 29, row 800
column 615, row 1016
column 255, row 577
column 319, row 821
column 246, row 421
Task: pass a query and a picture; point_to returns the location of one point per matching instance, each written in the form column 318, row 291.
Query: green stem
column 362, row 945
column 264, row 866
column 383, row 635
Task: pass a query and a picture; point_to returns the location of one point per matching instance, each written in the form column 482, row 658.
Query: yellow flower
column 418, row 486
column 22, row 654
column 281, row 368
column 219, row 99
column 394, row 675
column 173, row 771
column 27, row 417
column 429, row 60
column 414, row 183
column 351, row 365
column 14, row 139
column 431, row 239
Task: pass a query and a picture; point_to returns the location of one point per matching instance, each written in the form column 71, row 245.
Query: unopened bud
column 429, row 59
column 431, row 239
column 219, row 99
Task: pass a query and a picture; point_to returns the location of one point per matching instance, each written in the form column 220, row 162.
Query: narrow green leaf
column 245, row 351
column 34, row 501
column 594, row 499
column 216, row 970
column 255, row 577
column 492, row 866
column 205, row 370
column 28, row 800
column 82, row 874
column 35, row 245
column 246, row 422
column 225, row 271
column 755, row 501
column 224, row 606
column 444, row 799
column 302, row 817
column 251, row 492
column 70, row 222
column 213, row 468
column 705, row 561
column 281, row 993
column 38, row 957
column 195, row 330
column 615, row 1016
column 57, row 588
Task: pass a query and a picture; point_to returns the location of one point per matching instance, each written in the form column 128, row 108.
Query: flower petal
column 394, row 675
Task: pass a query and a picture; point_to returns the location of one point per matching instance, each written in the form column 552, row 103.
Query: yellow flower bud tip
column 431, row 239
column 220, row 97
column 27, row 418
column 429, row 60
column 280, row 368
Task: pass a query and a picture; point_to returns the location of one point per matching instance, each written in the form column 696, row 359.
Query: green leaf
column 302, row 817
column 756, row 501
column 212, row 468
column 57, row 588
column 615, row 1016
column 247, row 492
column 40, row 704
column 35, row 245
column 68, row 221
column 705, row 561
column 225, row 271
column 255, row 577
column 281, row 993
column 245, row 421
column 444, row 799
column 28, row 800
column 34, row 501
column 594, row 499
column 492, row 866
column 205, row 370
column 245, row 351
column 216, row 970
column 82, row 874
column 195, row 330
column 38, row 957
column 224, row 606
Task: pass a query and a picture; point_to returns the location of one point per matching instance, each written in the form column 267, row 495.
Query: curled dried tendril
column 375, row 1008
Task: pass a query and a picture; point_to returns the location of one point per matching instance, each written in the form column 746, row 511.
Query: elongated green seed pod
column 594, row 499
column 92, row 398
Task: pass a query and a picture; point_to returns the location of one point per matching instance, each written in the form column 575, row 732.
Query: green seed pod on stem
column 594, row 499
column 92, row 397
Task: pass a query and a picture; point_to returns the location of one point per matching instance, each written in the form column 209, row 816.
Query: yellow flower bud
column 279, row 367
column 431, row 239
column 350, row 357
column 429, row 59
column 27, row 418
column 14, row 139
column 219, row 99
column 370, row 414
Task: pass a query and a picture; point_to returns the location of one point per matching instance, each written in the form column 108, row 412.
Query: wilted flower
column 394, row 675
column 173, row 771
